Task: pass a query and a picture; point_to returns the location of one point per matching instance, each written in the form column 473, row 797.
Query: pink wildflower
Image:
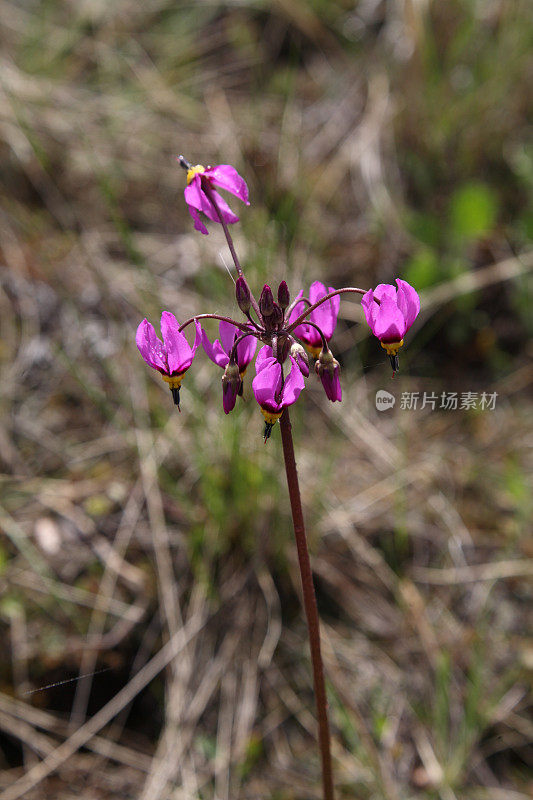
column 173, row 356
column 391, row 318
column 272, row 392
column 225, row 177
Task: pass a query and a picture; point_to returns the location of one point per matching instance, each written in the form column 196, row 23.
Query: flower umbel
column 392, row 315
column 171, row 357
column 281, row 326
column 200, row 195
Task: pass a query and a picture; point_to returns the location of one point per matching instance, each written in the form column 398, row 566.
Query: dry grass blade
column 85, row 733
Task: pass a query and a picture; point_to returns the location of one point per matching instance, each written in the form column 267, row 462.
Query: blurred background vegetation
column 378, row 140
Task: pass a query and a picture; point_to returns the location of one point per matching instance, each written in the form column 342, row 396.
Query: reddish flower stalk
column 309, row 598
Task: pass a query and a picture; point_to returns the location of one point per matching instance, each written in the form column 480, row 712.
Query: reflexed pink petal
column 370, row 308
column 385, row 290
column 226, row 212
column 325, row 316
column 151, row 347
column 197, row 200
column 226, row 177
column 179, row 351
column 408, row 302
column 214, row 351
column 198, row 336
column 389, row 322
column 198, row 224
column 267, row 384
column 300, row 331
column 263, row 356
column 309, row 335
column 195, row 197
column 246, row 351
column 298, row 308
column 294, row 383
column 227, row 333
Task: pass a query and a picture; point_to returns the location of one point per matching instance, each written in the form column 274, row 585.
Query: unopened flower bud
column 231, row 383
column 266, row 301
column 276, row 318
column 325, row 361
column 284, row 297
column 327, row 368
column 301, row 357
column 242, row 293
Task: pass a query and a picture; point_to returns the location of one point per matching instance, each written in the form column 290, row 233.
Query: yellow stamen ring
column 392, row 347
column 270, row 417
column 315, row 351
column 197, row 170
column 174, row 381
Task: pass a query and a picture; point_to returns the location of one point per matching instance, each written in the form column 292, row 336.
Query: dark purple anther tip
column 268, row 430
column 176, row 397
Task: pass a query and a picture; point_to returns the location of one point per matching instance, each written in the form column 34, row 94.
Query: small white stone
column 47, row 535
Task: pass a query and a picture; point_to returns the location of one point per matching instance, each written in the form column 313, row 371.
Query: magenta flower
column 219, row 352
column 272, row 392
column 173, row 356
column 197, row 198
column 391, row 318
column 325, row 316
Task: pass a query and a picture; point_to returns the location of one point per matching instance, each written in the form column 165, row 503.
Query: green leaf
column 423, row 269
column 473, row 211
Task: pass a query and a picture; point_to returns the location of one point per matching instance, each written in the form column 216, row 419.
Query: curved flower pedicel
column 171, row 357
column 325, row 316
column 200, row 195
column 391, row 317
column 220, row 353
column 272, row 391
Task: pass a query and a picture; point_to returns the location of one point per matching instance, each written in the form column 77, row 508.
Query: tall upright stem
column 311, row 610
